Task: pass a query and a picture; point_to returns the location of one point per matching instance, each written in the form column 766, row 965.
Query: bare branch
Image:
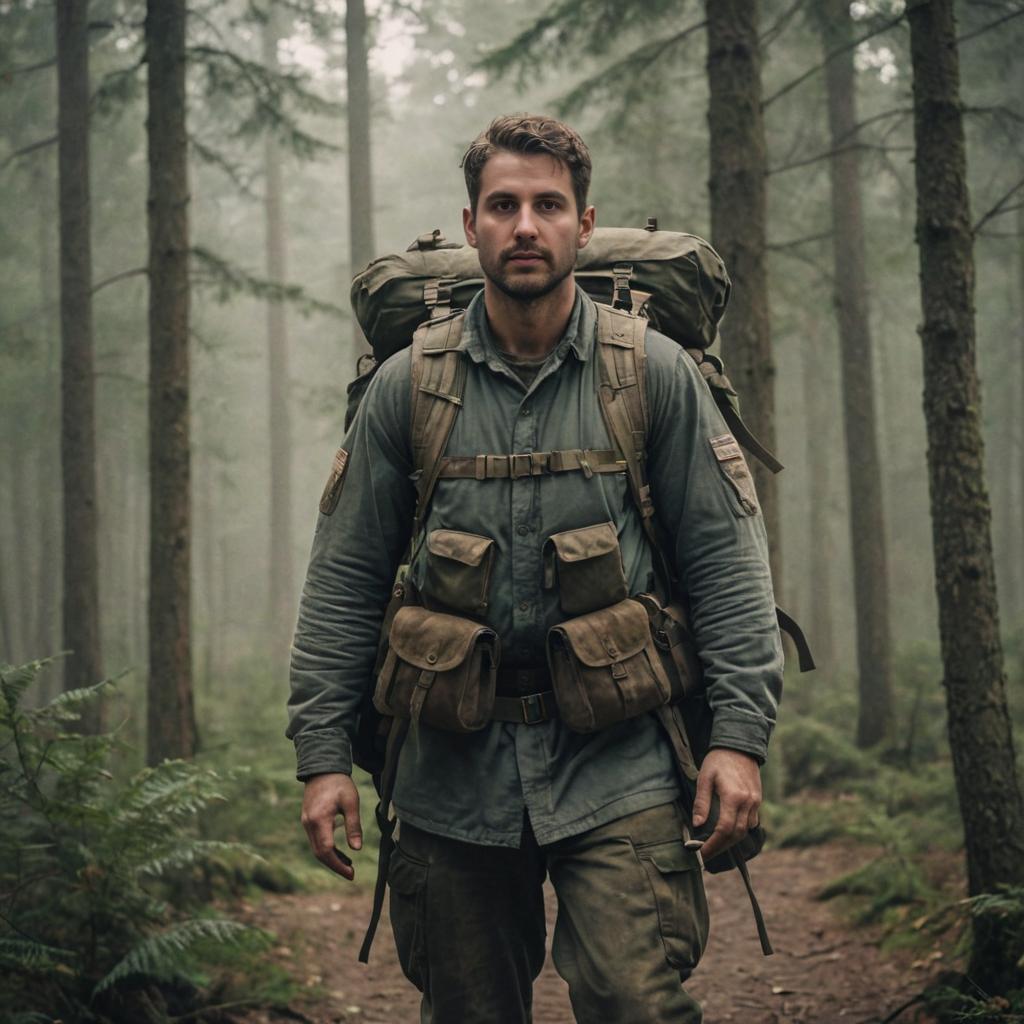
column 122, row 276
column 25, row 150
column 793, row 243
column 1000, row 207
column 991, row 25
column 815, row 68
column 27, row 68
column 770, row 34
column 899, row 112
column 836, row 152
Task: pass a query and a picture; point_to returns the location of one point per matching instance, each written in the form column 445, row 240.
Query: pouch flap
column 468, row 548
column 609, row 635
column 435, row 641
column 587, row 542
column 669, row 857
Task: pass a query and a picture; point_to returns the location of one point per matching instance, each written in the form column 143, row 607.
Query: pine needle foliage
column 100, row 919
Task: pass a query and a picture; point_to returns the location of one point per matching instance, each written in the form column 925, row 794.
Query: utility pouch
column 605, row 668
column 440, row 669
column 587, row 564
column 670, row 629
column 458, row 571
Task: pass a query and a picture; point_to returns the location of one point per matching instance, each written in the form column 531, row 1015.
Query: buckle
column 520, row 465
column 533, row 709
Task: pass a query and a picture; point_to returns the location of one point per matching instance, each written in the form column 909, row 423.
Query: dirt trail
column 823, row 971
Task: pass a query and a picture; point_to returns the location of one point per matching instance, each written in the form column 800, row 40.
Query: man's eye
column 504, row 205
column 549, row 205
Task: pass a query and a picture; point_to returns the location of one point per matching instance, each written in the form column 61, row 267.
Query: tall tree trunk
column 738, row 205
column 818, row 413
column 78, row 428
column 1020, row 410
column 979, row 724
column 281, row 609
column 863, row 466
column 360, row 179
column 170, row 718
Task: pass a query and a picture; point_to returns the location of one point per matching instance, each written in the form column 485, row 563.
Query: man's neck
column 529, row 330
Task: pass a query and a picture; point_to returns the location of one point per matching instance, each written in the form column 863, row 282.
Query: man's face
column 526, row 227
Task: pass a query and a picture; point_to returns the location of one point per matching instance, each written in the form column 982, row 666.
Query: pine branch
column 898, row 112
column 228, row 279
column 1000, row 207
column 820, row 66
column 235, row 173
column 991, row 25
column 25, row 150
column 836, row 152
column 793, row 243
column 28, row 68
column 122, row 276
column 628, row 67
column 783, row 20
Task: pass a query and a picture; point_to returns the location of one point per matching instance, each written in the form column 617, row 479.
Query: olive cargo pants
column 632, row 922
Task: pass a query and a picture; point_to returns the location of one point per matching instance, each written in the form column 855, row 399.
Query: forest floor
column 824, row 969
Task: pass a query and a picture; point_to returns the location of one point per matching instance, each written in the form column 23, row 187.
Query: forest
column 187, row 189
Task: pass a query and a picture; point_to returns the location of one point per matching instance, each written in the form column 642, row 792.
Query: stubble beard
column 527, row 288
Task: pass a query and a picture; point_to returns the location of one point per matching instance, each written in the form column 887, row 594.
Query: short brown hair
column 529, row 133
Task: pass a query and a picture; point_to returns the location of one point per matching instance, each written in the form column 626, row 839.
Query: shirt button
column 522, row 529
column 524, row 606
column 525, row 411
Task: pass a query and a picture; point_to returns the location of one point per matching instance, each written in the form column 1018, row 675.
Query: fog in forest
column 321, row 135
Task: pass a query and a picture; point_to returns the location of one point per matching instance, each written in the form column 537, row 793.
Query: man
column 485, row 816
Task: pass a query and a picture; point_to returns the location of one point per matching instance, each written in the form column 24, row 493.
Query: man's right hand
column 326, row 797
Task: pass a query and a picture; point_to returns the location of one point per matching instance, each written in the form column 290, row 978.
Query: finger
column 753, row 818
column 725, row 831
column 349, row 805
column 702, row 801
column 333, row 861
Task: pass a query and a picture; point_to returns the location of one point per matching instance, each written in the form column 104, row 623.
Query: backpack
column 435, row 277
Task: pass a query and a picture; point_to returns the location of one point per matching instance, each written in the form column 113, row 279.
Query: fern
column 27, row 955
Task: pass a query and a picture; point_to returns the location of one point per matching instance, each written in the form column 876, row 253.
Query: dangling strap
column 796, row 634
column 762, row 930
column 396, row 738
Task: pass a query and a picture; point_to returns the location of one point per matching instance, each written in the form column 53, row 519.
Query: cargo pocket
column 407, row 879
column 678, row 890
column 587, row 566
column 440, row 669
column 733, row 467
column 605, row 668
column 458, row 571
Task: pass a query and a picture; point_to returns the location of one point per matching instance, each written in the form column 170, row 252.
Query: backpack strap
column 438, row 381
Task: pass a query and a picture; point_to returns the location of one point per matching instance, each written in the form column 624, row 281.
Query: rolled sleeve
column 720, row 550
column 356, row 551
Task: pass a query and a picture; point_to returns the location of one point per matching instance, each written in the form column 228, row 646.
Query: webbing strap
column 396, row 739
column 762, row 928
column 503, row 467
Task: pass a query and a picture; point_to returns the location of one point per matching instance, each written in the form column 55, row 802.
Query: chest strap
column 504, row 467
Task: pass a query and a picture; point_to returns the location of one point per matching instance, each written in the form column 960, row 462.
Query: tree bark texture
column 979, row 724
column 738, row 208
column 81, row 629
column 281, row 610
column 360, row 179
column 170, row 718
column 863, row 465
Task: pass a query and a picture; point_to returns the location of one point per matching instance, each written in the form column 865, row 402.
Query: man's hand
column 736, row 778
column 326, row 797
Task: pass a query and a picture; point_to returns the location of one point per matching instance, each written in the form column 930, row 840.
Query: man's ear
column 586, row 230
column 469, row 225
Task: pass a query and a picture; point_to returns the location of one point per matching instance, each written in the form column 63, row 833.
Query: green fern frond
column 163, row 955
column 28, row 955
column 193, row 852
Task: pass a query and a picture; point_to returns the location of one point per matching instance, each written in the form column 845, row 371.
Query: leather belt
column 530, row 709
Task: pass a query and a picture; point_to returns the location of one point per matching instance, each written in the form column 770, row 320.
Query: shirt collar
column 478, row 341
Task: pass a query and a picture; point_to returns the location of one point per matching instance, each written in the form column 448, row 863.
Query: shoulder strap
column 438, row 381
column 622, row 363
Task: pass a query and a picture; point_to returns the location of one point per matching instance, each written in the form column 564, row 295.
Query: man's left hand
column 736, row 778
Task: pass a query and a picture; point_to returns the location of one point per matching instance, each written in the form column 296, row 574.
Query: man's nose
column 526, row 227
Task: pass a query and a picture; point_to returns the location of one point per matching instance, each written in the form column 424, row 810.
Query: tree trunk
column 170, row 717
column 78, row 429
column 818, row 414
column 360, row 180
column 979, row 724
column 738, row 203
column 1020, row 411
column 282, row 603
column 863, row 466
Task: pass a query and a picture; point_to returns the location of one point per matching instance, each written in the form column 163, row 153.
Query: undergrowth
column 103, row 881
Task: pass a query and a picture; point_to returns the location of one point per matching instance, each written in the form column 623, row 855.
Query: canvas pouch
column 458, row 571
column 440, row 669
column 605, row 668
column 586, row 565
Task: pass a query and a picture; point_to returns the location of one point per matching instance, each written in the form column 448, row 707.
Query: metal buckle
column 520, row 464
column 534, row 711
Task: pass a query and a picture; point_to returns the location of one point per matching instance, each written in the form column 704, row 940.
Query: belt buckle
column 533, row 709
column 521, row 465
